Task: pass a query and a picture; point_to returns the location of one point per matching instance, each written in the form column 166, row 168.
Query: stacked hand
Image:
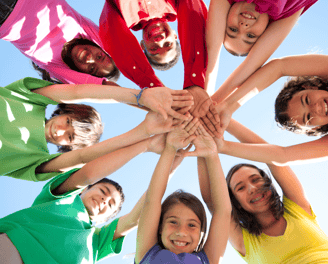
column 163, row 100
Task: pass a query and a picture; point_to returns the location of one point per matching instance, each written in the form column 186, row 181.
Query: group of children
column 81, row 63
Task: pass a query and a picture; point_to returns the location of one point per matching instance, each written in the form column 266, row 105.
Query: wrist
column 170, row 148
column 141, row 97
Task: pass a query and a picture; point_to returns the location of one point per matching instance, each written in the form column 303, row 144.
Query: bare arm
column 215, row 31
column 130, row 221
column 159, row 99
column 153, row 124
column 260, row 52
column 149, row 219
column 288, row 181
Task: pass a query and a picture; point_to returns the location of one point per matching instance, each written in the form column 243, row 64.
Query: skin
column 242, row 31
column 246, row 184
column 159, row 41
column 101, row 201
column 92, row 60
column 309, row 108
column 180, row 225
column 59, row 130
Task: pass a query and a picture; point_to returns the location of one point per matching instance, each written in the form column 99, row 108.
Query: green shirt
column 57, row 229
column 23, row 145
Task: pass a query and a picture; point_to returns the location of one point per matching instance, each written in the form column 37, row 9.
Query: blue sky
column 308, row 36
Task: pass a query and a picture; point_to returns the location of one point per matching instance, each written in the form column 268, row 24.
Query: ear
column 142, row 44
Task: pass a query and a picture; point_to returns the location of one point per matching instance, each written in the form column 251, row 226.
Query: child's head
column 243, row 28
column 301, row 106
column 73, row 126
column 103, row 200
column 83, row 55
column 251, row 192
column 182, row 225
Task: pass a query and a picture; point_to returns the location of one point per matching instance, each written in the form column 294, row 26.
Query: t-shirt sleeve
column 22, row 89
column 104, row 238
column 46, row 193
column 28, row 173
column 295, row 210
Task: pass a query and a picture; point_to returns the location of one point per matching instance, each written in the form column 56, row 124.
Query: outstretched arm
column 215, row 32
column 289, row 183
column 264, row 47
column 130, row 221
column 148, row 225
column 160, row 100
column 217, row 196
column 153, row 124
column 301, row 65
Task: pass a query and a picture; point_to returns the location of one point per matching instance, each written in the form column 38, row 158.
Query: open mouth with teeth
column 179, row 243
column 259, row 198
column 247, row 15
column 326, row 107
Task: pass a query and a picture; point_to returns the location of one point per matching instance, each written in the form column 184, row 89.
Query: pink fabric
column 278, row 9
column 39, row 29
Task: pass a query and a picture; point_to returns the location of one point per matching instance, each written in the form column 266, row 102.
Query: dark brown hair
column 242, row 217
column 87, row 124
column 66, row 55
column 291, row 87
column 193, row 203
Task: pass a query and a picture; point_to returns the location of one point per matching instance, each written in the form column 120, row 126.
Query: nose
column 251, row 188
column 315, row 108
column 181, row 231
column 89, row 58
column 243, row 24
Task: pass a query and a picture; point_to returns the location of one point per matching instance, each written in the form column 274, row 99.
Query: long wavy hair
column 245, row 219
column 291, row 87
column 194, row 204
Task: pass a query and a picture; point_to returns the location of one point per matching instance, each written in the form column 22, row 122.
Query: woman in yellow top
column 263, row 229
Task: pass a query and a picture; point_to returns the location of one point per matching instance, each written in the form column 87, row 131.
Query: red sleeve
column 124, row 48
column 192, row 15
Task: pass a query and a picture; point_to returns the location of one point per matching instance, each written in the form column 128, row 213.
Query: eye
column 191, row 225
column 102, row 191
column 240, row 189
column 256, row 179
column 307, row 100
column 167, row 44
column 250, row 35
column 233, row 29
column 98, row 57
column 308, row 118
column 173, row 222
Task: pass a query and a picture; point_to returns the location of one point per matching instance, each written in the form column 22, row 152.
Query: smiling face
column 101, row 201
column 59, row 130
column 159, row 41
column 244, row 27
column 247, row 186
column 92, row 60
column 309, row 108
column 181, row 229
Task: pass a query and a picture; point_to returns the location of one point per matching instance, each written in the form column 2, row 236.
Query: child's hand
column 162, row 99
column 157, row 143
column 155, row 124
column 181, row 136
column 219, row 143
column 204, row 144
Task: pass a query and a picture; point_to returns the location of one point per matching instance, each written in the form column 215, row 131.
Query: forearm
column 215, row 31
column 81, row 156
column 257, row 82
column 158, row 183
column 219, row 191
column 92, row 93
column 204, row 183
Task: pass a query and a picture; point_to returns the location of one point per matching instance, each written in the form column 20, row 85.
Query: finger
column 191, row 154
column 175, row 92
column 205, row 107
column 181, row 104
column 186, row 97
column 162, row 112
column 193, row 129
column 208, row 131
column 176, row 115
column 214, row 112
column 190, row 138
column 191, row 124
column 208, row 123
column 203, row 130
column 215, row 124
column 196, row 133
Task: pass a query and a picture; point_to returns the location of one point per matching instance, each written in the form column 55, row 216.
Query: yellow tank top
column 303, row 241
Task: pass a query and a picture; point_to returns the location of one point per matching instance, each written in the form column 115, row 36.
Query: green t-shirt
column 57, row 229
column 23, row 145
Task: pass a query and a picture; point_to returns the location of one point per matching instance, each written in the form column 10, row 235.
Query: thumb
column 191, row 154
column 162, row 112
